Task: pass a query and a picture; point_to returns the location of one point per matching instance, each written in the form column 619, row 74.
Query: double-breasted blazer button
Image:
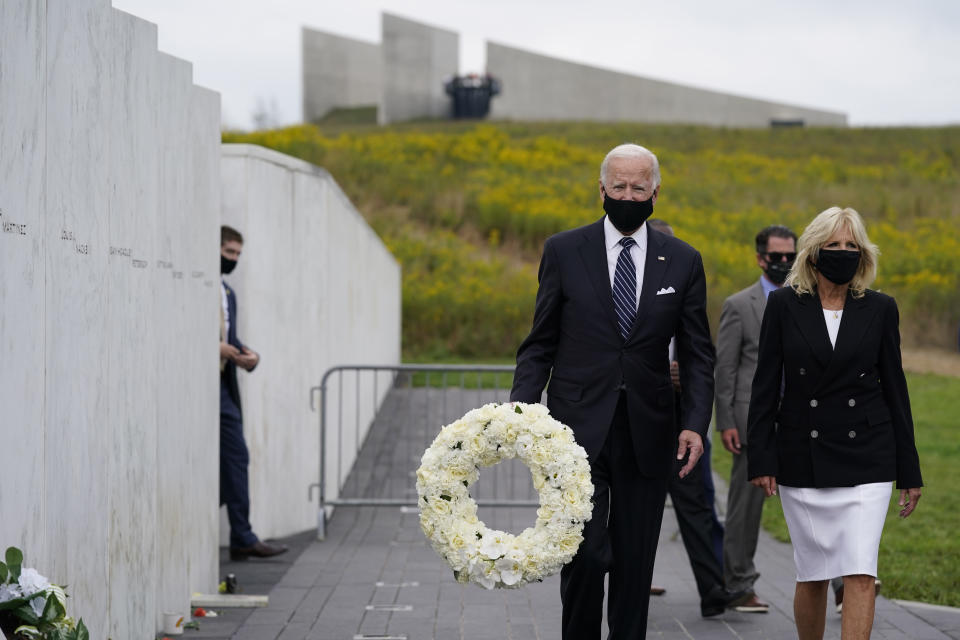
column 803, row 371
column 852, row 434
column 813, row 402
column 814, row 434
column 852, row 402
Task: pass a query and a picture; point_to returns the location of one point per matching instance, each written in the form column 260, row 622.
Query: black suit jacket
column 844, row 418
column 575, row 342
column 229, row 388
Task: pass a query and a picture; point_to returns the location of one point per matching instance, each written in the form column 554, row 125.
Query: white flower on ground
column 31, row 582
column 9, row 592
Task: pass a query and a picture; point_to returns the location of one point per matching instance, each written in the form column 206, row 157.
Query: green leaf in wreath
column 446, row 497
column 517, row 409
column 4, row 572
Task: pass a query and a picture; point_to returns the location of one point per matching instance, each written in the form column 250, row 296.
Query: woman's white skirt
column 835, row 531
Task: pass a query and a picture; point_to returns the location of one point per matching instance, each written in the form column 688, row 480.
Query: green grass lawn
column 919, row 556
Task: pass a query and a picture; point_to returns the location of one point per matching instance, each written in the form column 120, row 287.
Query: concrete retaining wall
column 417, row 58
column 316, row 288
column 538, row 87
column 338, row 72
column 109, row 204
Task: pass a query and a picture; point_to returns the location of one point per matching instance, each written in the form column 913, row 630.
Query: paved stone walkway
column 376, row 577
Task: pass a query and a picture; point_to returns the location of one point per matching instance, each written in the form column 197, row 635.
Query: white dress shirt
column 226, row 310
column 638, row 251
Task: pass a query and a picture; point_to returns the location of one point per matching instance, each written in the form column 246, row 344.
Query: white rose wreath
column 448, row 515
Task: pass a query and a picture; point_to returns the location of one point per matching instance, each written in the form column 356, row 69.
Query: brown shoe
column 657, row 591
column 753, row 605
column 259, row 550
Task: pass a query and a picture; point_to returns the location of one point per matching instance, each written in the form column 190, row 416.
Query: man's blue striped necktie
column 625, row 288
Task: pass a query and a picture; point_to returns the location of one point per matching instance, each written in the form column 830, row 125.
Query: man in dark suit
column 612, row 294
column 234, row 457
column 693, row 498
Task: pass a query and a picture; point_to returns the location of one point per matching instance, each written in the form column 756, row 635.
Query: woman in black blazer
column 830, row 418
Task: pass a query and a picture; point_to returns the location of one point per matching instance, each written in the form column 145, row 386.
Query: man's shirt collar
column 612, row 236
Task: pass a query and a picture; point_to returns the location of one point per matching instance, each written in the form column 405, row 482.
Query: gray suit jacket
column 738, row 341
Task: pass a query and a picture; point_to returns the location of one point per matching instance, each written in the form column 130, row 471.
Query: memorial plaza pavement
column 375, row 576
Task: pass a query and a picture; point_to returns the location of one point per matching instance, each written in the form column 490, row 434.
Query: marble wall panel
column 308, row 282
column 201, row 236
column 77, row 429
column 109, row 177
column 131, row 422
column 22, row 274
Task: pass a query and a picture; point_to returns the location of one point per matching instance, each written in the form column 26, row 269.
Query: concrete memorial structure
column 415, row 59
column 402, row 76
column 338, row 72
column 316, row 288
column 538, row 87
column 109, row 204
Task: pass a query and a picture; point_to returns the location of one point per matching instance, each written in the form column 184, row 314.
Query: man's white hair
column 630, row 150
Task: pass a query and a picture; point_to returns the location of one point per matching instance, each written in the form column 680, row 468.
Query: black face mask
column 778, row 271
column 627, row 215
column 226, row 265
column 838, row 266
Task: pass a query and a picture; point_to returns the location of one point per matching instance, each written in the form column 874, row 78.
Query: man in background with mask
column 738, row 340
column 612, row 294
column 234, row 457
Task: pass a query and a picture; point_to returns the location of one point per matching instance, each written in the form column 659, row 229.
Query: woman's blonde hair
column 803, row 275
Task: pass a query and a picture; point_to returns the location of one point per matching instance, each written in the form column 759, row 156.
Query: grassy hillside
column 465, row 207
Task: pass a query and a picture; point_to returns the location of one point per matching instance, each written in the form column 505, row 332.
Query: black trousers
column 620, row 538
column 234, row 485
column 695, row 518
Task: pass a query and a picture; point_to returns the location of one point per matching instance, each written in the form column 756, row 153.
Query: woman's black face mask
column 838, row 265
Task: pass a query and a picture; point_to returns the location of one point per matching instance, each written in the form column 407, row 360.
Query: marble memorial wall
column 109, row 223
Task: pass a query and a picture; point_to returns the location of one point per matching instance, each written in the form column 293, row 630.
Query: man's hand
column 767, row 483
column 247, row 359
column 675, row 375
column 229, row 352
column 908, row 500
column 731, row 440
column 689, row 442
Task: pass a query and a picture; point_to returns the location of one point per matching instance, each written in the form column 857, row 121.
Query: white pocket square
column 665, row 291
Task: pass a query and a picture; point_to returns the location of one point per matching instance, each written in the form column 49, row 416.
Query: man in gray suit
column 737, row 342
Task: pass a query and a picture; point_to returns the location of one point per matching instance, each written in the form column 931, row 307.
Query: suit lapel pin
column 660, row 258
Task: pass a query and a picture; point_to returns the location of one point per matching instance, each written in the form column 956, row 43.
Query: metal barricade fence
column 377, row 420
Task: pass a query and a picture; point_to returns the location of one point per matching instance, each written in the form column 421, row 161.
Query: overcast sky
column 882, row 62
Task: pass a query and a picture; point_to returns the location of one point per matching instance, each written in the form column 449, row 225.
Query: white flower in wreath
column 561, row 475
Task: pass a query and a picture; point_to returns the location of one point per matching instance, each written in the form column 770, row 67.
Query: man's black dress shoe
column 259, row 550
column 719, row 599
